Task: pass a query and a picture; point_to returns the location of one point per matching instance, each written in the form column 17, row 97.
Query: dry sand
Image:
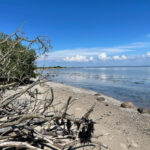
column 120, row 128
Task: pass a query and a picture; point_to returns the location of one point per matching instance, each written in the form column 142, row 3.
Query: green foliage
column 20, row 65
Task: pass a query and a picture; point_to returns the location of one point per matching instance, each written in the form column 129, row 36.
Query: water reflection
column 124, row 83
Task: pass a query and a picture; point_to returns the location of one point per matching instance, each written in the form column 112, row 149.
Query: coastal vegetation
column 17, row 60
column 18, row 55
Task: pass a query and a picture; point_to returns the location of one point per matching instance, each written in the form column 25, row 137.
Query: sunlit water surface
column 124, row 83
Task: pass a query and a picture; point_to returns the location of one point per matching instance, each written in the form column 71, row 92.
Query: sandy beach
column 118, row 128
column 75, row 75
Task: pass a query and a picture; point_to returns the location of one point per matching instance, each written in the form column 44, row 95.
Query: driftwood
column 59, row 130
column 33, row 123
column 19, row 145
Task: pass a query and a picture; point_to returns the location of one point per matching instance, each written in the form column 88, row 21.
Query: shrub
column 19, row 64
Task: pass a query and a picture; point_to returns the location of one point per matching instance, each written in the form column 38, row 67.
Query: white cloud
column 148, row 54
column 91, row 58
column 103, row 53
column 103, row 56
column 116, row 58
column 123, row 57
column 78, row 58
column 95, row 51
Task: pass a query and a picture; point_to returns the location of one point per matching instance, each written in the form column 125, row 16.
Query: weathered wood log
column 19, row 145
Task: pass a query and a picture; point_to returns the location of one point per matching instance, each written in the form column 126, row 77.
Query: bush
column 20, row 61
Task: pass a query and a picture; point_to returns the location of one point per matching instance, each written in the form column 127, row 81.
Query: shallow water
column 123, row 83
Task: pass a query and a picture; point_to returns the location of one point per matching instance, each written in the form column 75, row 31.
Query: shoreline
column 113, row 100
column 108, row 99
column 118, row 128
column 110, row 82
column 125, row 128
column 88, row 91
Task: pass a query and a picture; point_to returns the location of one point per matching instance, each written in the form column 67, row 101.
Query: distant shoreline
column 56, row 67
column 59, row 67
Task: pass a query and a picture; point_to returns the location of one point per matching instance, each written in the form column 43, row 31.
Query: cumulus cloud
column 59, row 55
column 123, row 57
column 103, row 56
column 116, row 57
column 91, row 58
column 78, row 58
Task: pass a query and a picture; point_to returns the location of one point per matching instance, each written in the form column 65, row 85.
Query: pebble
column 127, row 105
column 97, row 94
column 100, row 99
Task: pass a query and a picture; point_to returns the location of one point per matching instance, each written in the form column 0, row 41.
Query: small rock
column 97, row 94
column 127, row 105
column 100, row 99
column 143, row 110
column 106, row 104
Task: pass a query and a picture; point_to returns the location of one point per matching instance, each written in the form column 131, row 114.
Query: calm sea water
column 123, row 83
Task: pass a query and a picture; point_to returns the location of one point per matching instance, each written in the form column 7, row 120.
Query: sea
column 123, row 83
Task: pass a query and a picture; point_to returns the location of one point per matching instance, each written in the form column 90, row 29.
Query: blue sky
column 84, row 32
